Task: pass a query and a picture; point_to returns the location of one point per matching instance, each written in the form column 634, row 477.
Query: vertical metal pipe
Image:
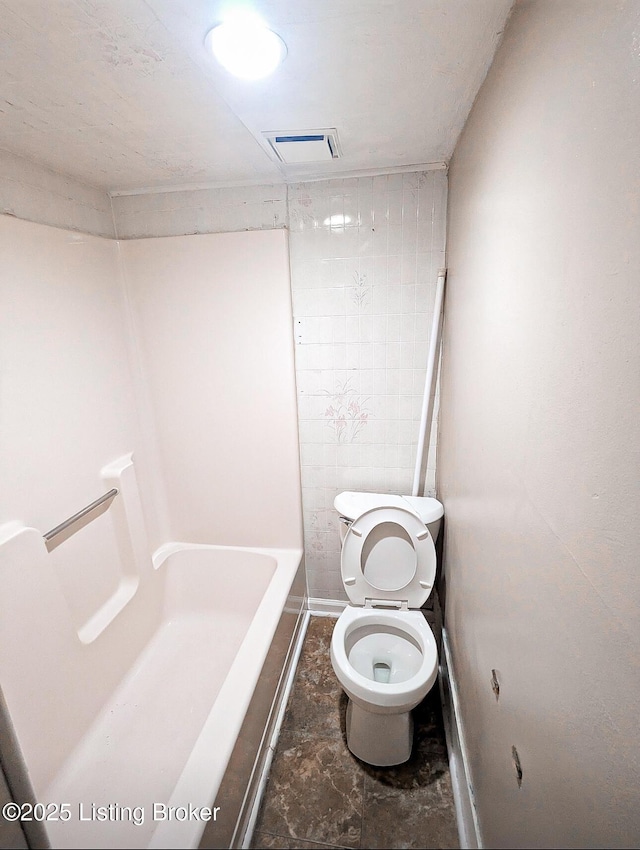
column 429, row 384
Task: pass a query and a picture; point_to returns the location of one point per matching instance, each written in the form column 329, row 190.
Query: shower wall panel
column 212, row 316
column 67, row 411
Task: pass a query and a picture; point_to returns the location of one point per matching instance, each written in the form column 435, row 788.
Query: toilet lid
column 388, row 555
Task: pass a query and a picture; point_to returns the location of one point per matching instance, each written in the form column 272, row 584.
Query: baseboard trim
column 325, row 607
column 468, row 828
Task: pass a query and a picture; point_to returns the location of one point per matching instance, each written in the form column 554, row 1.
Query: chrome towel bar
column 69, row 527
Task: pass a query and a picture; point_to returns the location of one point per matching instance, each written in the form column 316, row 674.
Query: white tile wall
column 35, row 193
column 364, row 259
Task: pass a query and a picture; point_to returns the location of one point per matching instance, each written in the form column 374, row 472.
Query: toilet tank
column 350, row 505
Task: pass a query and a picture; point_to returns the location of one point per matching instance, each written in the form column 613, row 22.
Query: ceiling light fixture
column 246, row 47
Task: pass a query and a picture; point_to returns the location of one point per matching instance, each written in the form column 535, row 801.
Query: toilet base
column 379, row 739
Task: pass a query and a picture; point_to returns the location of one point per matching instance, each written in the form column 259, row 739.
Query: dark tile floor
column 320, row 796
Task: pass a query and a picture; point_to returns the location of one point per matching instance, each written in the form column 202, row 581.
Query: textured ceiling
column 121, row 94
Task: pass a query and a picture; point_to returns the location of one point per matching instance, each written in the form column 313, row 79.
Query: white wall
column 213, row 320
column 539, row 438
column 35, row 193
column 363, row 296
column 206, row 210
column 30, row 191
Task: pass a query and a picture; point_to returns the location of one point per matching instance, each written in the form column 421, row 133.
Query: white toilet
column 384, row 652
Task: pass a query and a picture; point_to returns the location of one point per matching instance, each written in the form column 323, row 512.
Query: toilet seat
column 388, row 558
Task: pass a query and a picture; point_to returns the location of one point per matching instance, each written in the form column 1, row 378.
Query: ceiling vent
column 307, row 146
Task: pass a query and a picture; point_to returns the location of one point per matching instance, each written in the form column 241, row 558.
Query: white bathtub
column 163, row 737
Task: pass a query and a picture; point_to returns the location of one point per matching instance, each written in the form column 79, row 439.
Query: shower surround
column 130, row 653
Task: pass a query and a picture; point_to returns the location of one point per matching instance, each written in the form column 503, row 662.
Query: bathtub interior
column 119, row 718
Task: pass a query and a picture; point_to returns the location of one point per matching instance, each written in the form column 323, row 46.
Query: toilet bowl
column 383, row 651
